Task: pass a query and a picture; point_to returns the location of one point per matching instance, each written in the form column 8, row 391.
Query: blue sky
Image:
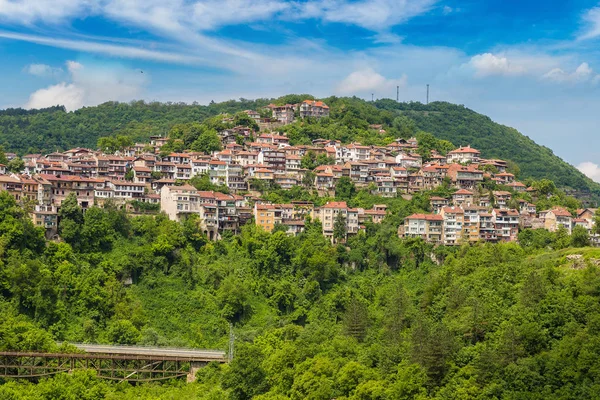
column 534, row 65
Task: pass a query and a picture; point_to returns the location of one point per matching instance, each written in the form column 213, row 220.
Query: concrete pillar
column 194, row 367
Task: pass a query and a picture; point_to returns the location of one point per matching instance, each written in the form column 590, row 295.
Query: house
column 329, row 212
column 472, row 222
column 437, row 203
column 462, row 197
column 426, row 226
column 386, row 186
column 463, row 155
column 465, row 177
column 453, row 224
column 283, row 114
column 506, row 223
column 502, row 198
column 313, row 109
column 142, row 174
column 358, row 152
column 324, row 181
column 517, row 186
column 557, row 217
column 504, row 178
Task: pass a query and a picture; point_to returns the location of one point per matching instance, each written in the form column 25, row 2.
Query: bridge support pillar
column 194, row 367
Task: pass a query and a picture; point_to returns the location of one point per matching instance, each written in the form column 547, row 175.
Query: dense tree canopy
column 370, row 317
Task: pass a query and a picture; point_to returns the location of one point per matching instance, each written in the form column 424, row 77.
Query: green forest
column 52, row 129
column 371, row 318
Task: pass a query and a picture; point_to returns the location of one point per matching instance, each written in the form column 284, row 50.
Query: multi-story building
column 462, row 197
column 463, row 155
column 283, row 114
column 507, row 224
column 557, row 217
column 426, row 226
column 453, row 224
column 313, row 109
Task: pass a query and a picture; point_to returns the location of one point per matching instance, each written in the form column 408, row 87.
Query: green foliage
column 344, row 188
column 113, row 144
column 202, row 182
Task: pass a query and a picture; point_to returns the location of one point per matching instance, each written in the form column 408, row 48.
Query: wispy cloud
column 489, row 64
column 89, row 85
column 376, row 15
column 123, row 51
column 42, row 70
column 583, row 73
column 590, row 169
column 591, row 20
column 366, row 80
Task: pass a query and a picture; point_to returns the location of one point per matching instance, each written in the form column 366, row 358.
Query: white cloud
column 489, row 64
column 123, row 51
column 592, row 21
column 590, row 169
column 367, row 80
column 27, row 12
column 582, row 74
column 375, row 15
column 386, row 38
column 42, row 70
column 90, row 86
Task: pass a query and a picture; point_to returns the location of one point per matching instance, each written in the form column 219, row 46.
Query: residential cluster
column 144, row 174
column 465, row 218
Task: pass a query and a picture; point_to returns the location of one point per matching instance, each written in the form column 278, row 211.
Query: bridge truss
column 132, row 368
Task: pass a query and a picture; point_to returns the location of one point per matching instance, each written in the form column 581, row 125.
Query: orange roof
column 467, row 149
column 463, row 191
column 336, row 204
column 427, row 217
column 453, row 210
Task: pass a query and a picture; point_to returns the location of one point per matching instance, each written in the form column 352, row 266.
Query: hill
column 53, row 129
column 463, row 126
column 376, row 317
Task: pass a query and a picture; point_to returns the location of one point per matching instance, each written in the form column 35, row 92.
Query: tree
column 244, row 119
column 356, row 319
column 580, row 237
column 130, row 175
column 113, row 144
column 16, row 165
column 246, row 377
column 340, row 228
column 3, row 159
column 308, row 179
column 207, row 142
column 544, row 187
column 344, row 188
column 123, row 332
column 70, row 219
column 596, row 227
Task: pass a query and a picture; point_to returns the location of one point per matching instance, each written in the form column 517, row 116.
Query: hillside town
column 142, row 178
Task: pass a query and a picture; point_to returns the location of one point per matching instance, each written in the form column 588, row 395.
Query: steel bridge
column 133, row 364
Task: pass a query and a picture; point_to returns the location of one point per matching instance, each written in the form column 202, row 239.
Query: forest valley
column 375, row 317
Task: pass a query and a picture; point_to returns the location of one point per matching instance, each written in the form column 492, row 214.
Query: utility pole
column 231, row 342
column 427, row 94
column 397, row 93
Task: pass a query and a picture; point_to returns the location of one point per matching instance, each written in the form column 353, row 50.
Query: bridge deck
column 154, row 352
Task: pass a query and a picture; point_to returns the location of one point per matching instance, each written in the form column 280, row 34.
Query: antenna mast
column 397, row 93
column 427, row 94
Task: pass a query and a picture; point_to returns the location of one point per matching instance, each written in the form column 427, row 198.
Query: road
column 153, row 351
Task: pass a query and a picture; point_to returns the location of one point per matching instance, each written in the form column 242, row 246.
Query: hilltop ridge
column 351, row 119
